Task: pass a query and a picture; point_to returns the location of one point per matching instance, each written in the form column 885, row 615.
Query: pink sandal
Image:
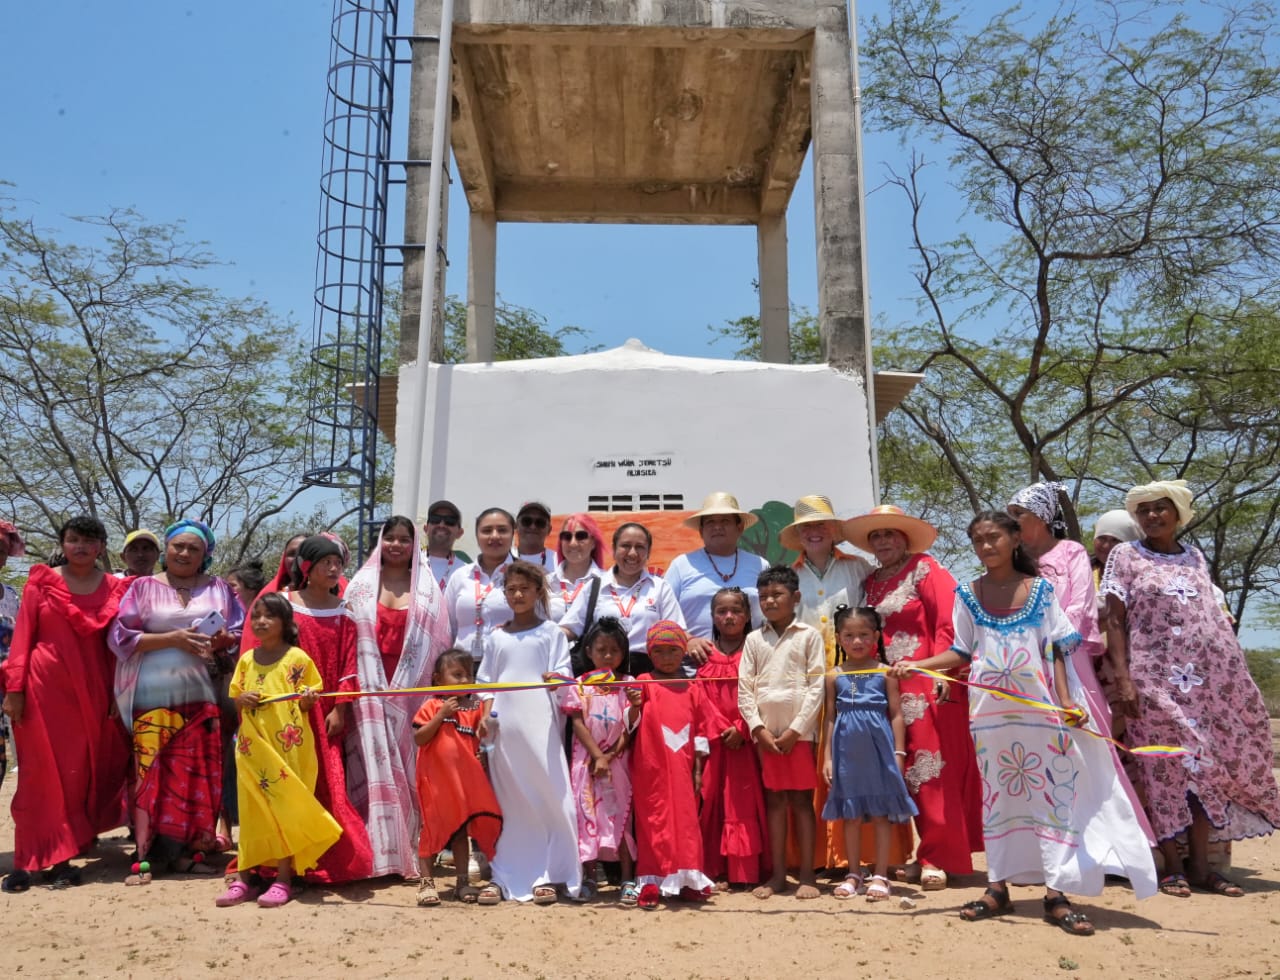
column 275, row 896
column 238, row 891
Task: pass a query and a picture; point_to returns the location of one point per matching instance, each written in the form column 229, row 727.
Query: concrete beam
column 775, row 303
column 791, row 136
column 842, row 312
column 590, row 202
column 470, row 146
column 631, row 37
column 752, row 14
column 482, row 284
column 426, row 57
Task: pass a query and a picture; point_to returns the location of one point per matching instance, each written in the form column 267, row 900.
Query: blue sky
column 212, row 114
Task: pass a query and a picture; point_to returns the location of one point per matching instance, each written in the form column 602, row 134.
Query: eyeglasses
column 578, row 535
column 448, row 520
column 540, row 523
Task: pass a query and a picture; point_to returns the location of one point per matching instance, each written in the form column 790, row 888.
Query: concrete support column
column 426, row 61
column 482, row 286
column 842, row 307
column 775, row 303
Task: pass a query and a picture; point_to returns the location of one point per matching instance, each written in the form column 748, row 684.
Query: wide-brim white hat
column 720, row 504
column 813, row 509
column 920, row 534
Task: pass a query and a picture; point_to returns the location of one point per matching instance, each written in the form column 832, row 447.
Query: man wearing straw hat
column 696, row 576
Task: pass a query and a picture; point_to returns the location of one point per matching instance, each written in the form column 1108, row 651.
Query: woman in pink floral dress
column 1187, row 685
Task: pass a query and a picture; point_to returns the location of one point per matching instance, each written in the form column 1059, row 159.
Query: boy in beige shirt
column 780, row 681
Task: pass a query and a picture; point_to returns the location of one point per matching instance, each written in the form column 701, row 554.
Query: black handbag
column 578, row 658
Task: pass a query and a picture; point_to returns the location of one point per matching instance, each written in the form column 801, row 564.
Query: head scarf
column 200, row 530
column 1175, row 490
column 342, row 545
column 1117, row 524
column 313, row 549
column 666, row 633
column 17, row 547
column 1042, row 500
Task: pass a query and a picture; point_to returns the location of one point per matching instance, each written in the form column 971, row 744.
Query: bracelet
column 900, row 752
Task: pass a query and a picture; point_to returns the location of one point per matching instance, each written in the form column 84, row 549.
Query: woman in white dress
column 538, row 847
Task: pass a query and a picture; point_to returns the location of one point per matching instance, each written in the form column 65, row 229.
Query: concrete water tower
column 634, row 111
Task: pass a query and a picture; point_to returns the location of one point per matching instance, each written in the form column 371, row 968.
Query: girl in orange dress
column 456, row 799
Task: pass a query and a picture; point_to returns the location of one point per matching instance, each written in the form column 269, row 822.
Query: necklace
column 886, row 572
column 445, row 577
column 732, row 572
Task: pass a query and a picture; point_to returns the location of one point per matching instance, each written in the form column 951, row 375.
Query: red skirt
column 794, row 771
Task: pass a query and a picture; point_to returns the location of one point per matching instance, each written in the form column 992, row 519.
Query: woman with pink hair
column 580, row 550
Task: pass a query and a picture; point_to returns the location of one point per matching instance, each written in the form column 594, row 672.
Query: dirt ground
column 103, row 929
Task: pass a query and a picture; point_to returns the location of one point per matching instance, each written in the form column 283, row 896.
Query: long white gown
column 530, row 776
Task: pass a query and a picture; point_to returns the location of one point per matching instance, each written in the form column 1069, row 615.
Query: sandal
column 239, row 891
column 466, row 894
column 1068, row 920
column 65, row 877
column 980, row 908
column 16, row 881
column 585, row 893
column 629, row 894
column 275, row 896
column 1217, row 884
column 427, row 894
column 878, row 890
column 140, row 874
column 545, row 895
column 851, row 886
column 223, row 843
column 932, row 879
column 191, row 866
column 1175, row 885
column 650, row 897
column 489, row 895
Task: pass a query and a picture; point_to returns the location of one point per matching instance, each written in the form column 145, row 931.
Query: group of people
column 706, row 728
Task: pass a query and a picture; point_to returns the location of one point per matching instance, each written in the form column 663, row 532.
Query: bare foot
column 770, row 888
column 807, row 889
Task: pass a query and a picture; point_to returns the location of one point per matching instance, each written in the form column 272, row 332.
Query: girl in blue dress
column 865, row 746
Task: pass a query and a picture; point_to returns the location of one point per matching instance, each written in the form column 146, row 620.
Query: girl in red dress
column 734, row 834
column 457, row 802
column 668, row 752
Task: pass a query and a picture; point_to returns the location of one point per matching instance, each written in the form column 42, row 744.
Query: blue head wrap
column 200, row 530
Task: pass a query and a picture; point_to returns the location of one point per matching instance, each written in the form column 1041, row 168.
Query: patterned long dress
column 915, row 606
column 1194, row 690
column 1053, row 807
column 604, row 803
column 276, row 767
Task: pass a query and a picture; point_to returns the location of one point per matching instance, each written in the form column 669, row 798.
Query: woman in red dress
column 58, row 682
column 914, row 596
column 328, row 634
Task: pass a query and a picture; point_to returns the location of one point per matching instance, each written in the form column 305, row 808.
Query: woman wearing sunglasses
column 580, row 554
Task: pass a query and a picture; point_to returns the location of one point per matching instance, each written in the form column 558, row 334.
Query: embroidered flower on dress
column 913, row 707
column 296, row 673
column 1185, row 678
column 243, row 743
column 925, row 766
column 289, row 737
column 1197, row 760
column 1181, row 588
column 1019, row 770
column 902, row 645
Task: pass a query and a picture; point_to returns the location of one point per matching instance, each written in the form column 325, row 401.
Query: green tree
column 805, row 338
column 129, row 393
column 1105, row 315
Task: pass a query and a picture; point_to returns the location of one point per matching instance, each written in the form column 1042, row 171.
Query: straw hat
column 814, row 509
column 920, row 534
column 718, row 504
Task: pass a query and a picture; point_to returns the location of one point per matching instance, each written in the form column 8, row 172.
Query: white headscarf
column 1175, row 490
column 1042, row 500
column 1117, row 524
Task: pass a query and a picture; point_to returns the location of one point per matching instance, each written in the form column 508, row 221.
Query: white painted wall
column 562, row 429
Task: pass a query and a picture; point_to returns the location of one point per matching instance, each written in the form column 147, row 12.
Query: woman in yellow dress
column 282, row 824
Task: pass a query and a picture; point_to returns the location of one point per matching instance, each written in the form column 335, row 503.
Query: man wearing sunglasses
column 533, row 524
column 442, row 531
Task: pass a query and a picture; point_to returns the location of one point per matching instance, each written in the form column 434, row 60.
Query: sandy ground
column 103, row 929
